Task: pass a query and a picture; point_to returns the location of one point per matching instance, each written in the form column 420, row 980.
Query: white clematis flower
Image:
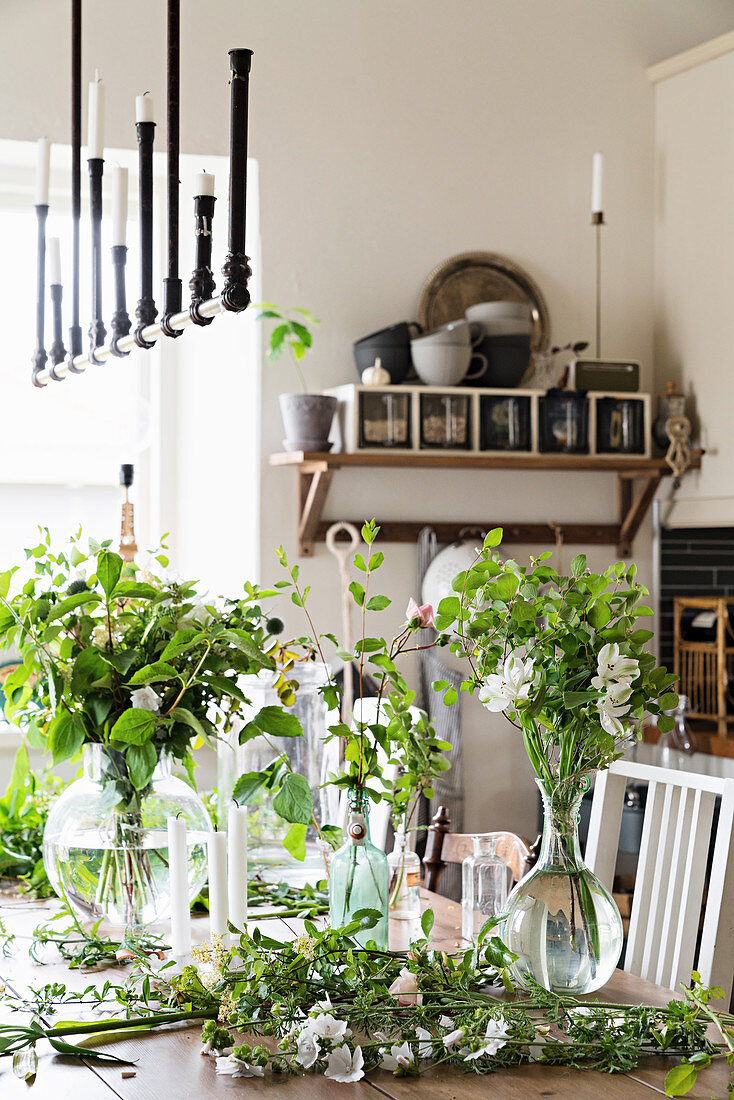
column 307, row 1049
column 511, row 686
column 344, row 1066
column 145, row 698
column 612, row 666
column 235, row 1067
column 399, row 1055
column 495, row 1037
column 326, row 1026
column 425, row 1044
column 453, row 1038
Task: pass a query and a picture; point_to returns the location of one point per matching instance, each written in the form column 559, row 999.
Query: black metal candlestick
column 236, row 270
column 172, row 285
column 75, row 330
column 57, row 351
column 597, row 220
column 120, row 319
column 201, row 283
column 146, row 311
column 97, row 331
column 39, row 355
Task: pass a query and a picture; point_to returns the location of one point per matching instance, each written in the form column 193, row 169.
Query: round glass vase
column 563, row 925
column 358, row 876
column 105, row 845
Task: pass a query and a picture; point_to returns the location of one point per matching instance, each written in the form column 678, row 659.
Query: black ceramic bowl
column 508, row 358
column 391, row 346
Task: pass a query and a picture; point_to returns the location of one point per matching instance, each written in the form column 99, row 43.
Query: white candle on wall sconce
column 204, row 184
column 43, row 171
column 144, row 111
column 119, row 206
column 237, row 865
column 178, row 870
column 95, row 119
column 217, row 848
column 597, row 172
column 53, row 253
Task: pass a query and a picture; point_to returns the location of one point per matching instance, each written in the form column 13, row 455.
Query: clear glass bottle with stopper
column 484, row 881
column 405, row 879
column 358, row 875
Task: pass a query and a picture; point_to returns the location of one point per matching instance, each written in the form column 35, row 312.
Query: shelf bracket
column 632, row 511
column 313, row 486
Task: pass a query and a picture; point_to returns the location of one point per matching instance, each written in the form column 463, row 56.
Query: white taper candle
column 95, row 119
column 119, row 205
column 43, row 169
column 144, row 108
column 178, row 869
column 217, row 883
column 597, row 171
column 204, row 184
column 53, row 259
column 237, row 865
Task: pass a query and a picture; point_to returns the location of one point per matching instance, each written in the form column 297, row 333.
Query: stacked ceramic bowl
column 444, row 356
column 506, row 329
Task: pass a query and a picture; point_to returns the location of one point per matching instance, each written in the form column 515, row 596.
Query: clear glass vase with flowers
column 132, row 668
column 563, row 658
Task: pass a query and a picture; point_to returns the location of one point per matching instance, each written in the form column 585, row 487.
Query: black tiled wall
column 694, row 561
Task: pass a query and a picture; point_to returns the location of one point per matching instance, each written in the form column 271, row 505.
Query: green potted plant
column 306, row 416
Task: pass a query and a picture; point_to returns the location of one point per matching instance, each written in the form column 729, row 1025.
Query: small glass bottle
column 358, row 876
column 483, row 886
column 405, row 880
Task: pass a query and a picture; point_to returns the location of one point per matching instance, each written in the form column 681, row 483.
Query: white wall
column 391, row 135
column 694, row 272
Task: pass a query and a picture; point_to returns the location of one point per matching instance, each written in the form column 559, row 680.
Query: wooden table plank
column 169, row 1063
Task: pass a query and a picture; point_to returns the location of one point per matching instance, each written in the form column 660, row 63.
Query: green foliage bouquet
column 562, row 657
column 118, row 656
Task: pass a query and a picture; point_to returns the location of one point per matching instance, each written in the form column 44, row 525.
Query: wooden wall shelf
column 315, row 472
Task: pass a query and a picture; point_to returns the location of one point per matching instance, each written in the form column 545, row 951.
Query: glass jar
column 620, row 425
column 504, row 423
column 563, row 925
column 484, row 881
column 384, row 419
column 359, row 876
column 309, row 755
column 404, row 897
column 445, row 421
column 564, row 422
column 105, row 845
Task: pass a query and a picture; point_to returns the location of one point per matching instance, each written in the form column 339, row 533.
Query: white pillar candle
column 204, row 184
column 217, row 883
column 119, row 205
column 53, row 259
column 178, row 871
column 144, row 108
column 597, row 170
column 43, row 168
column 95, row 119
column 237, row 865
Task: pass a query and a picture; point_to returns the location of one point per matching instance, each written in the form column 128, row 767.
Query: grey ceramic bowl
column 391, row 345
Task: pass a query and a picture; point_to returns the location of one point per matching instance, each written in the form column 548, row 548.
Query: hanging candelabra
column 174, row 319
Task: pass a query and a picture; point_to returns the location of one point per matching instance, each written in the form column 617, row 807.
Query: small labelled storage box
column 445, row 420
column 505, row 423
column 622, row 424
column 384, row 419
column 564, row 423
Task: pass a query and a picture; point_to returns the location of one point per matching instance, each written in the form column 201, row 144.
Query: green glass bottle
column 358, row 876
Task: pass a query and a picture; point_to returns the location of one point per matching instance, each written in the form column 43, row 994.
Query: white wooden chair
column 671, row 872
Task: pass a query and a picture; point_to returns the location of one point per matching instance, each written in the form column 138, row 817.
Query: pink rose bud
column 423, row 613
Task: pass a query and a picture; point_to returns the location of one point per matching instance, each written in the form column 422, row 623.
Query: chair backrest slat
column 671, row 871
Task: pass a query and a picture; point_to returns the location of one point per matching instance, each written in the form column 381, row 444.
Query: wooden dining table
column 168, row 1063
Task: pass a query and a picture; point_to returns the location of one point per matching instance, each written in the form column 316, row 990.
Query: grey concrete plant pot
column 307, row 420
